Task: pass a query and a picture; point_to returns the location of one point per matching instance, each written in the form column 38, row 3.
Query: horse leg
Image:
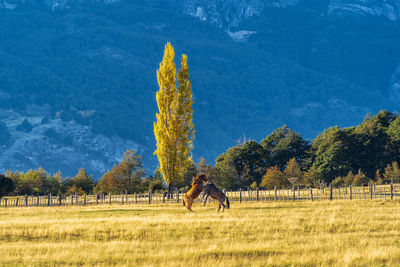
column 205, row 201
column 184, row 200
column 221, row 201
column 189, row 205
column 219, row 207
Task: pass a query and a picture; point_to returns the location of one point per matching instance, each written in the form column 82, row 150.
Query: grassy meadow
column 304, row 233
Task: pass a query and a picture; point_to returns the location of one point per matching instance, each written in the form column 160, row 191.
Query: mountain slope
column 83, row 74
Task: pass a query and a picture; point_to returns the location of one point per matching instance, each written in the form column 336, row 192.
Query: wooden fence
column 381, row 192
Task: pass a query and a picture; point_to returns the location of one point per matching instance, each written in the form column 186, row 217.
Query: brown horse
column 215, row 193
column 194, row 192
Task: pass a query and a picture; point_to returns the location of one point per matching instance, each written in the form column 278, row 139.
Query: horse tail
column 227, row 202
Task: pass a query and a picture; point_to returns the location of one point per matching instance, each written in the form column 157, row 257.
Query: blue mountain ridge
column 82, row 74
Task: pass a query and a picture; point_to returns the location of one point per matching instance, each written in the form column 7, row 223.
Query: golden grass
column 347, row 233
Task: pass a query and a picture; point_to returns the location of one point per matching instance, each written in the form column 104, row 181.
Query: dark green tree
column 246, row 162
column 7, row 186
column 393, row 132
column 372, row 149
column 282, row 145
column 55, row 183
column 332, row 153
column 156, row 184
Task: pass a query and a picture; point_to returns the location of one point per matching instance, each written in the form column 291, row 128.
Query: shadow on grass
column 275, row 208
column 115, row 211
column 132, row 211
column 240, row 254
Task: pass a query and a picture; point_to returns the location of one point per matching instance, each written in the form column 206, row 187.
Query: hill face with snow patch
column 78, row 78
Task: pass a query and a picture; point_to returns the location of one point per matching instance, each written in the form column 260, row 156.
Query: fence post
column 84, row 200
column 240, row 195
column 276, row 197
column 294, row 193
column 76, row 199
column 37, row 200
column 370, row 191
column 163, row 196
column 351, row 192
column 149, row 197
column 331, row 194
column 391, row 190
column 59, row 199
column 97, row 199
column 135, row 198
column 16, row 202
column 109, row 199
column 384, row 193
column 48, row 200
column 257, row 195
column 311, row 196
column 5, row 202
column 177, row 196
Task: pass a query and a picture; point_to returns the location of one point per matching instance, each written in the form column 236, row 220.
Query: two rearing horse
column 194, row 192
column 209, row 190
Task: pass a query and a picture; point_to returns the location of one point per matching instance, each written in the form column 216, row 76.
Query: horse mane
column 202, row 177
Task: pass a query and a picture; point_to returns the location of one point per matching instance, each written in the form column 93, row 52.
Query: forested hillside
column 78, row 82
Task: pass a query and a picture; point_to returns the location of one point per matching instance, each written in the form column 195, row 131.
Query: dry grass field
column 346, row 233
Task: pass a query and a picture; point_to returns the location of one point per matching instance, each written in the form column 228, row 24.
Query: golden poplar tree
column 174, row 129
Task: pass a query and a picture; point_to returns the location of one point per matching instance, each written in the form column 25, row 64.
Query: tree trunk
column 169, row 191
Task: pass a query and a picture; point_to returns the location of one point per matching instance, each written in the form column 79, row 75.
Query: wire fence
column 371, row 191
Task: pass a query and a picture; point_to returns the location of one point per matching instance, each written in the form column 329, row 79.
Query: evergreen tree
column 82, row 182
column 332, row 153
column 6, row 185
column 174, row 129
column 56, row 182
column 284, row 144
column 372, row 149
column 312, row 177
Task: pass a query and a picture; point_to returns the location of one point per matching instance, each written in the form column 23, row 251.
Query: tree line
column 368, row 152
